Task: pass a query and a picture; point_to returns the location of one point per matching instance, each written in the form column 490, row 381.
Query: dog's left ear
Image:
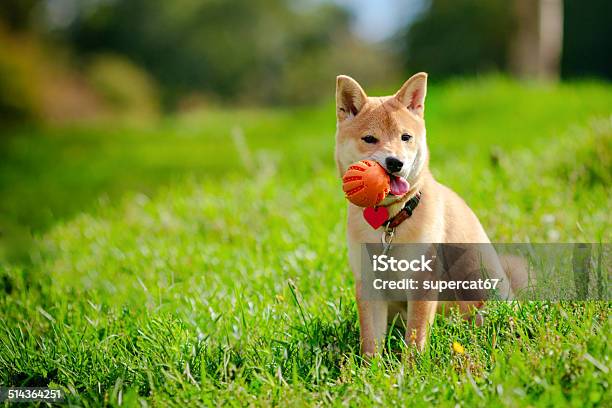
column 412, row 93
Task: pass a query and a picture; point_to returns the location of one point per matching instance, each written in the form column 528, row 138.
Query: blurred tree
column 535, row 50
column 457, row 37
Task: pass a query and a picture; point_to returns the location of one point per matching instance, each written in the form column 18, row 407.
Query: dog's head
column 389, row 130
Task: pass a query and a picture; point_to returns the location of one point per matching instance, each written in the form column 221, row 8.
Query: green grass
column 178, row 264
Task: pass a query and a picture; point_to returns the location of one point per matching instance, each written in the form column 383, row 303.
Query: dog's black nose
column 393, row 164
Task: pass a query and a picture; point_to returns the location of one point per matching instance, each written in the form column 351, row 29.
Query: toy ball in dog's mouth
column 366, row 184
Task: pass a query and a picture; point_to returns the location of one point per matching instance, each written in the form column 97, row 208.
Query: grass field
column 202, row 260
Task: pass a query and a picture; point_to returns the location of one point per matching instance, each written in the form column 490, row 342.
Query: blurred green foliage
column 19, row 87
column 187, row 53
column 128, row 89
column 269, row 51
column 196, row 52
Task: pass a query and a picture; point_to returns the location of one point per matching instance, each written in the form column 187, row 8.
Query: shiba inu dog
column 391, row 130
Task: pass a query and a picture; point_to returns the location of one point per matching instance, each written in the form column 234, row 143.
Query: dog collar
column 393, row 222
column 404, row 213
column 379, row 216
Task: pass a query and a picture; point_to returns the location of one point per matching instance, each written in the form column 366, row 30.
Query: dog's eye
column 406, row 137
column 369, row 139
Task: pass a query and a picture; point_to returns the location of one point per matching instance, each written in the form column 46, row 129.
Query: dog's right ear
column 350, row 97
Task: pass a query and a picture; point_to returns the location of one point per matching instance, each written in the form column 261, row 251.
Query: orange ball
column 365, row 183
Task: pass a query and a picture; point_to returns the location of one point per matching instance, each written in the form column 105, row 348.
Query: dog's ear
column 412, row 93
column 350, row 97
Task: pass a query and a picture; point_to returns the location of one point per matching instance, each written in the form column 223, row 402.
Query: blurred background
column 103, row 97
column 66, row 60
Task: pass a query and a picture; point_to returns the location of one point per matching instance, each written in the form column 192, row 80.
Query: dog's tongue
column 399, row 186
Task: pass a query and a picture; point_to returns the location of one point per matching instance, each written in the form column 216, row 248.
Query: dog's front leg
column 420, row 316
column 372, row 322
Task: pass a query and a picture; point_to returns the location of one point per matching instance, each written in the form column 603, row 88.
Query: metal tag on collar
column 386, row 239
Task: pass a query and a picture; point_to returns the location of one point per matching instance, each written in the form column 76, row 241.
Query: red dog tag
column 376, row 216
